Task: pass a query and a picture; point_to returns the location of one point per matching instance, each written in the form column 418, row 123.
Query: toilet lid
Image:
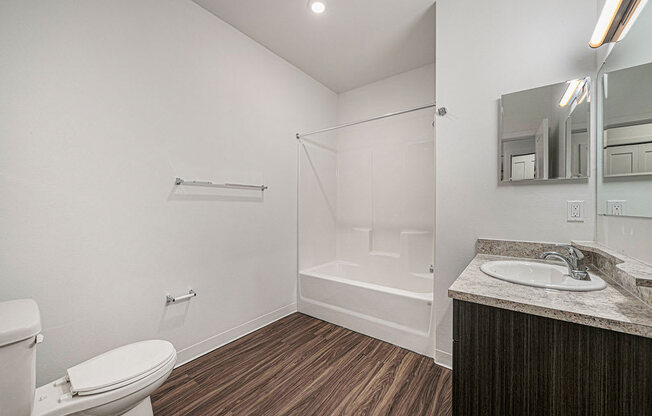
column 119, row 367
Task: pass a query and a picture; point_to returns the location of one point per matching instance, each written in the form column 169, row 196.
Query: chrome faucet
column 575, row 261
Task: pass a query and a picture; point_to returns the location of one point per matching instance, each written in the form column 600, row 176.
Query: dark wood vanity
column 513, row 363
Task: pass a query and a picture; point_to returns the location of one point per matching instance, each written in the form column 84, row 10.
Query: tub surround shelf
column 612, row 308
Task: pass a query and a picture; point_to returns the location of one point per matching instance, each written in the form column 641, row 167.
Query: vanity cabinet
column 513, row 363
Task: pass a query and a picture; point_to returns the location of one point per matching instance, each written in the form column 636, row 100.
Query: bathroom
column 301, row 207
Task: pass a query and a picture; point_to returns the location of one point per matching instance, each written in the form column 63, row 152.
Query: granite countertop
column 612, row 308
column 640, row 272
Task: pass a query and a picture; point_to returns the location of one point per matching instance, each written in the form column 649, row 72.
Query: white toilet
column 118, row 382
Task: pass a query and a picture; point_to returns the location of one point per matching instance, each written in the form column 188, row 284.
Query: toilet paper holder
column 172, row 299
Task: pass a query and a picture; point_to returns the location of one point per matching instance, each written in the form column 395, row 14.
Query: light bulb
column 317, row 7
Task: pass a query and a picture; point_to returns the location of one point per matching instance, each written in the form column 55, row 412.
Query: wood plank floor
column 303, row 366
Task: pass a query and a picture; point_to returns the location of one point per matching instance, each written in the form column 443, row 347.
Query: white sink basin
column 544, row 275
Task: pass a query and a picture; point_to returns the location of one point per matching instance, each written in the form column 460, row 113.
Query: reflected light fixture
column 585, row 92
column 615, row 21
column 317, row 6
column 571, row 92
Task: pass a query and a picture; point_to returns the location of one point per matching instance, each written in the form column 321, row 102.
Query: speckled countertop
column 612, row 308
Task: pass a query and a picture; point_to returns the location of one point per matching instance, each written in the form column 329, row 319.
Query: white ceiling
column 353, row 43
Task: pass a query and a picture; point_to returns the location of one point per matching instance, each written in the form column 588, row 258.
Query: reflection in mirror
column 545, row 132
column 625, row 125
column 627, row 139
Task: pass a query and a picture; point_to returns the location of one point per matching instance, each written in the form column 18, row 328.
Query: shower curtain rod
column 365, row 121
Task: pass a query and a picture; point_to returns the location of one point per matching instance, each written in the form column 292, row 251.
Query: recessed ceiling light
column 317, row 7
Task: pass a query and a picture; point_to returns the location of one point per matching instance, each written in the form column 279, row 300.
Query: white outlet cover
column 616, row 207
column 575, row 211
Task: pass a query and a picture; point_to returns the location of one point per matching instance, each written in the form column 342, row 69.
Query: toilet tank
column 20, row 323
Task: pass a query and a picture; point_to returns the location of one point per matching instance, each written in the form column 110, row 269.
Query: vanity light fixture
column 571, row 92
column 317, row 6
column 616, row 18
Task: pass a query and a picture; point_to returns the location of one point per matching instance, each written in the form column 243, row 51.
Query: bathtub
column 383, row 303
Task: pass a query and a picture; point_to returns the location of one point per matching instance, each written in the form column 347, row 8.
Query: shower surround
column 366, row 215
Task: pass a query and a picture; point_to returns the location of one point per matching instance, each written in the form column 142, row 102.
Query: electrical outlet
column 615, row 207
column 575, row 211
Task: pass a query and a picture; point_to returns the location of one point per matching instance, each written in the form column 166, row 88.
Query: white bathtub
column 384, row 304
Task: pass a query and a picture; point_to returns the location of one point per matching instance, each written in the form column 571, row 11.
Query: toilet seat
column 119, row 367
column 58, row 398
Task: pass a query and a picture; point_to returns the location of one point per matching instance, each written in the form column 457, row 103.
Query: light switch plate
column 575, row 211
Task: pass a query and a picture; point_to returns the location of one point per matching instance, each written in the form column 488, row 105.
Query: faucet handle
column 576, row 256
column 572, row 251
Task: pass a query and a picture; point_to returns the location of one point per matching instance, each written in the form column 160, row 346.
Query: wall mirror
column 624, row 124
column 544, row 133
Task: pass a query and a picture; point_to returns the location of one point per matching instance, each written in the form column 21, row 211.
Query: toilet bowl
column 118, row 382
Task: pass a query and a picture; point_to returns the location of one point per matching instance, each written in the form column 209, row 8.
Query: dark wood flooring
column 303, row 366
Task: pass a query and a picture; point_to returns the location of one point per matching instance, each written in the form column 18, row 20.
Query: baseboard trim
column 195, row 351
column 444, row 359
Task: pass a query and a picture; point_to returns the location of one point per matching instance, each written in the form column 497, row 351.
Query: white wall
column 629, row 235
column 399, row 92
column 103, row 104
column 485, row 49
